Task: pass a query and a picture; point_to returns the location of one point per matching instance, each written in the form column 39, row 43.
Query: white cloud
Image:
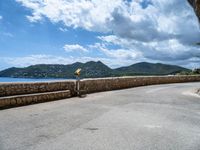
column 63, row 29
column 49, row 59
column 1, row 17
column 33, row 59
column 75, row 47
column 116, row 53
column 168, row 51
column 159, row 21
column 163, row 30
column 91, row 15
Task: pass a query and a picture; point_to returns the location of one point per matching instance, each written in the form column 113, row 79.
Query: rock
column 196, row 6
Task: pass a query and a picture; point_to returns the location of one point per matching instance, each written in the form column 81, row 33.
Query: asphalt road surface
column 160, row 117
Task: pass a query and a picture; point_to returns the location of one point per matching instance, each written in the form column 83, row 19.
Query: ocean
column 5, row 79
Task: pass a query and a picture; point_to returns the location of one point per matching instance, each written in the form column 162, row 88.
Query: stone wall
column 9, row 89
column 17, row 94
column 20, row 100
column 107, row 84
column 90, row 85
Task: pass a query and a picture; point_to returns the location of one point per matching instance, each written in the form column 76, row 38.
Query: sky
column 116, row 32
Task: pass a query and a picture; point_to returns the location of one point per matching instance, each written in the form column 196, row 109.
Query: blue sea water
column 5, row 79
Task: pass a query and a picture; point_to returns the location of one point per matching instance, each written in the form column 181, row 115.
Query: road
column 159, row 117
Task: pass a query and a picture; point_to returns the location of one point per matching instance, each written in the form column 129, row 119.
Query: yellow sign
column 78, row 72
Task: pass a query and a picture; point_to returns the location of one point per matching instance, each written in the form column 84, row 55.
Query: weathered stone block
column 13, row 101
column 2, row 103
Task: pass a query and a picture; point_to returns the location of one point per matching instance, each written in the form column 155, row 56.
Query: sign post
column 77, row 73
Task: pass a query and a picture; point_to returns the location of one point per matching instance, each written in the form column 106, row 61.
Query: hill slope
column 145, row 68
column 90, row 69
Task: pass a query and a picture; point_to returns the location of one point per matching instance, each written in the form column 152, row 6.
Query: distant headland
column 91, row 69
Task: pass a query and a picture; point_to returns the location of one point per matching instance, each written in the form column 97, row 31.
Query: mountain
column 90, row 69
column 145, row 68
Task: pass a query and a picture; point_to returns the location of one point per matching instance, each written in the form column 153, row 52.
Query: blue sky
column 116, row 32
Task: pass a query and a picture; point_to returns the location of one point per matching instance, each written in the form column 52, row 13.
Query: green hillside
column 90, row 70
column 145, row 68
